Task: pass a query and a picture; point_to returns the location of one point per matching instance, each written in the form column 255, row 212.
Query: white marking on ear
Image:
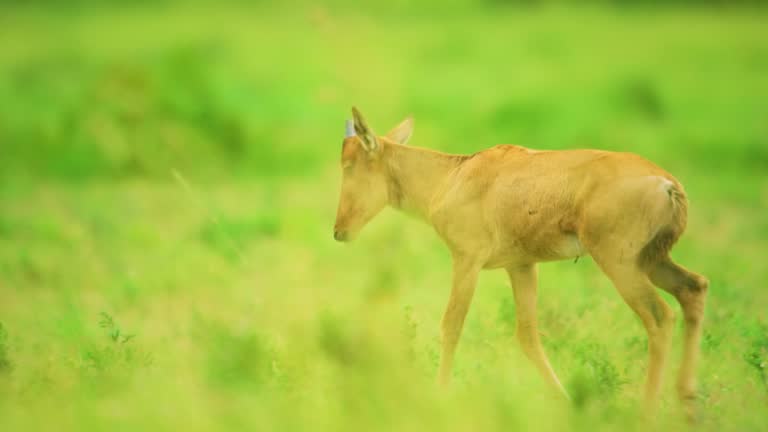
column 349, row 129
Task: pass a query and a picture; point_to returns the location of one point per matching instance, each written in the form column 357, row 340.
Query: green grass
column 168, row 186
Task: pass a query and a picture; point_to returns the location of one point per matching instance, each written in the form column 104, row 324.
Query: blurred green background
column 168, row 185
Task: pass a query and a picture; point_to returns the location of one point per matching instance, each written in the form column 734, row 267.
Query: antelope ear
column 402, row 132
column 367, row 137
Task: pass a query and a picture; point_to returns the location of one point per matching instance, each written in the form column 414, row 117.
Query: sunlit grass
column 168, row 183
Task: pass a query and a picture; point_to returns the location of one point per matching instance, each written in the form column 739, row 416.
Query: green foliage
column 506, row 314
column 410, row 331
column 116, row 356
column 239, row 360
column 110, row 326
column 757, row 355
column 640, row 97
column 5, row 360
column 177, row 165
column 230, row 237
column 336, row 340
column 597, row 378
column 79, row 118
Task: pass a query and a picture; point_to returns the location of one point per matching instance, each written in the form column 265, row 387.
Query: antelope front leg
column 524, row 284
column 465, row 271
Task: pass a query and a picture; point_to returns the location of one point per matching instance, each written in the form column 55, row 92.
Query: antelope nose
column 340, row 235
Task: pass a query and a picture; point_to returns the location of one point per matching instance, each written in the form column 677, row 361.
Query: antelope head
column 365, row 179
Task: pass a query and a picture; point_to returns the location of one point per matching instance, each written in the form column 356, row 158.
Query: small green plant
column 113, row 330
column 757, row 356
column 119, row 352
column 711, row 342
column 410, row 329
column 598, row 376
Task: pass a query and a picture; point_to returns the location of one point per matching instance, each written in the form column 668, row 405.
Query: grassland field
column 168, row 185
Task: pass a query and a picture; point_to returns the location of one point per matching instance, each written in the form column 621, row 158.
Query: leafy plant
column 119, row 352
column 113, row 330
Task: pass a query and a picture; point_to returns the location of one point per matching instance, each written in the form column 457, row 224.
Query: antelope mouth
column 340, row 235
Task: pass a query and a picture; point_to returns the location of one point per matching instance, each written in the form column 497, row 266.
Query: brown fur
column 512, row 207
column 658, row 248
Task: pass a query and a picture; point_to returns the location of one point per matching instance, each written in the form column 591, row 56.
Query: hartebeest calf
column 511, row 207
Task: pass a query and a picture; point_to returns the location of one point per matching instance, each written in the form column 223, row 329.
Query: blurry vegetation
column 230, row 237
column 176, row 163
column 640, row 97
column 757, row 356
column 107, row 363
column 5, row 360
column 337, row 341
column 74, row 117
column 239, row 360
column 507, row 314
column 597, row 373
column 197, row 105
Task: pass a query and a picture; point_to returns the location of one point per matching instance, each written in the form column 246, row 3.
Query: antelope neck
column 415, row 174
